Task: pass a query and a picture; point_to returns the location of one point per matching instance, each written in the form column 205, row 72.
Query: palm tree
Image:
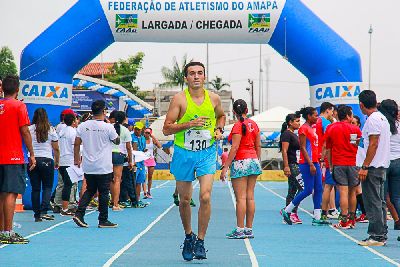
column 175, row 76
column 217, row 83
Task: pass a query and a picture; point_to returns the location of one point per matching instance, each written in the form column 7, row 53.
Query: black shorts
column 346, row 175
column 13, row 178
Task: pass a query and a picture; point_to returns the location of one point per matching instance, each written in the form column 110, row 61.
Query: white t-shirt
column 150, row 147
column 59, row 127
column 376, row 124
column 43, row 150
column 125, row 137
column 395, row 144
column 67, row 139
column 97, row 139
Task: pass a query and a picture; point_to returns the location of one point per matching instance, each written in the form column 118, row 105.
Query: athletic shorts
column 151, row 162
column 140, row 174
column 13, row 178
column 328, row 177
column 245, row 167
column 187, row 165
column 118, row 159
column 346, row 175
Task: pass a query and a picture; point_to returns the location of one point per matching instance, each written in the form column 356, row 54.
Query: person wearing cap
column 139, row 144
column 196, row 118
column 56, row 201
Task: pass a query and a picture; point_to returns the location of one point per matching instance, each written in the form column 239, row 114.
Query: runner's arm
column 77, row 148
column 258, row 146
column 170, row 127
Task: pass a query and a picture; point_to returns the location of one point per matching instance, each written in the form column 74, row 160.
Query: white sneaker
column 369, row 242
column 334, row 215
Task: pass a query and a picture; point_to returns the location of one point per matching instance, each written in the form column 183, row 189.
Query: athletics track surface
column 152, row 236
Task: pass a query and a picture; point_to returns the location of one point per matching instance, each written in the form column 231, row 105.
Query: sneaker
column 286, row 217
column 94, row 203
column 343, row 225
column 14, row 238
column 397, row 225
column 66, row 213
column 149, row 196
column 125, row 205
column 145, row 195
column 236, row 234
column 248, row 233
column 2, row 237
column 78, row 219
column 56, row 209
column 188, row 244
column 192, row 204
column 107, row 224
column 352, row 224
column 199, row 251
column 295, row 218
column 333, row 215
column 139, row 205
column 398, row 238
column 370, row 242
column 362, row 219
column 117, row 208
column 320, row 222
column 47, row 217
column 176, row 199
column 38, row 219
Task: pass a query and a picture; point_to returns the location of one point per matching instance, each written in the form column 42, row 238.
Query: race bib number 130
column 196, row 140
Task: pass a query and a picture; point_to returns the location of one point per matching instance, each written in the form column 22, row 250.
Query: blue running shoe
column 248, row 233
column 199, row 250
column 286, row 217
column 188, row 245
column 235, row 234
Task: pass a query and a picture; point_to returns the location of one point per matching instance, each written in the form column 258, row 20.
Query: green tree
column 7, row 64
column 175, row 76
column 126, row 71
column 217, row 83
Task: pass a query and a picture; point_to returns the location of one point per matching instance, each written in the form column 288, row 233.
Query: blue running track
column 152, row 237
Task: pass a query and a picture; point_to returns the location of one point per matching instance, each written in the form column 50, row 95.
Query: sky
column 21, row 21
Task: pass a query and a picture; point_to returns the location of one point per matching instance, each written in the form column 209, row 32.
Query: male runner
column 193, row 116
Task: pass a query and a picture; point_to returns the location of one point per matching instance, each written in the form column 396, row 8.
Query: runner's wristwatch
column 220, row 129
column 364, row 167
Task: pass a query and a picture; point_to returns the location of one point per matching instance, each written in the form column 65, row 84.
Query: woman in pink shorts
column 150, row 163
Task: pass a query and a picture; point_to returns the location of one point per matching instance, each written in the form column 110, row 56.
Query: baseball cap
column 68, row 111
column 139, row 125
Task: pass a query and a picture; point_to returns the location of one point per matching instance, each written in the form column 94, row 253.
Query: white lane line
column 339, row 231
column 136, row 238
column 161, row 185
column 47, row 229
column 64, row 222
column 249, row 248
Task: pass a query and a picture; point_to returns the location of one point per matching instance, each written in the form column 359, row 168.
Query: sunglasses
column 147, row 132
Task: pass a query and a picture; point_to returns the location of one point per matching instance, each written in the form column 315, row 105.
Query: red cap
column 68, row 111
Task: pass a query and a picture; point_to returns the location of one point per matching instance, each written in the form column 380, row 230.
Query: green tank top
column 197, row 138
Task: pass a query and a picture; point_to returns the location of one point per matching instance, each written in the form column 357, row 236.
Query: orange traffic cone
column 19, row 207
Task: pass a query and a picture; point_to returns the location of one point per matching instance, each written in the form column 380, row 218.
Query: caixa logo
column 49, row 91
column 337, row 91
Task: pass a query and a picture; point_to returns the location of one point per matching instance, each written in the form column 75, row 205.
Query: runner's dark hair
column 119, row 117
column 240, row 108
column 390, row 109
column 289, row 117
column 306, row 111
column 42, row 125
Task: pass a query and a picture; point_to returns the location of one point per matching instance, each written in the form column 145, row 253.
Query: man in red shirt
column 14, row 118
column 341, row 142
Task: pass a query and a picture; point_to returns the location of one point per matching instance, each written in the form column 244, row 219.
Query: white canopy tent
column 270, row 120
column 157, row 127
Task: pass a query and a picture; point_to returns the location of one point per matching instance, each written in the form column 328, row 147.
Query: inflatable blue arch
column 49, row 63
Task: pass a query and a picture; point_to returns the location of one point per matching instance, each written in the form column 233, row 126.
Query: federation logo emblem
column 126, row 23
column 259, row 22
